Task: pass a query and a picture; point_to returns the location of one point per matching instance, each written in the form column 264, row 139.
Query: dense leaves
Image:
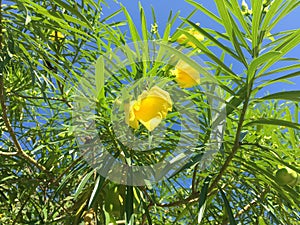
column 46, row 47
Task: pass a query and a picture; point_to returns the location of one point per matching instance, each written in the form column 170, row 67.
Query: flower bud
column 244, row 6
column 286, row 176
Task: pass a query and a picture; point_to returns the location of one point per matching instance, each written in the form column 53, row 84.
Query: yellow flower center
column 151, row 107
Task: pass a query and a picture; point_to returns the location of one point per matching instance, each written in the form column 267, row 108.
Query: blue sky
column 163, row 7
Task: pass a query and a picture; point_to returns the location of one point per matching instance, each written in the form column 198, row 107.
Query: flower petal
column 152, row 123
column 151, row 107
column 186, row 76
column 130, row 117
column 183, row 39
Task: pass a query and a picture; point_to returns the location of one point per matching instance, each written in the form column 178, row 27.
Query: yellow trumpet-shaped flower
column 183, row 39
column 56, row 35
column 149, row 109
column 185, row 75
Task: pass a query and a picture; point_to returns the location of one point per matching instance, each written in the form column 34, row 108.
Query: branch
column 235, row 147
column 8, row 153
column 1, row 26
column 48, row 98
column 248, row 206
column 20, row 151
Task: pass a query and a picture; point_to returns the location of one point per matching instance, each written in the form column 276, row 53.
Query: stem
column 39, row 97
column 8, row 153
column 1, row 26
column 191, row 199
column 236, row 144
column 20, row 151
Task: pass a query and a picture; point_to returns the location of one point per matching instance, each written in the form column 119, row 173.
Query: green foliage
column 43, row 176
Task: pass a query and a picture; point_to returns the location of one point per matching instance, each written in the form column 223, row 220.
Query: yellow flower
column 245, row 9
column 185, row 75
column 56, row 35
column 149, row 109
column 183, row 39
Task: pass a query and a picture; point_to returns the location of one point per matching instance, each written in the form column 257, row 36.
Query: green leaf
column 143, row 22
column 228, row 208
column 285, row 8
column 282, row 69
column 73, row 10
column 211, row 55
column 275, row 122
column 256, row 63
column 290, row 42
column 279, row 79
column 58, row 17
column 206, row 34
column 226, row 21
column 206, row 11
column 111, row 16
column 99, row 77
column 256, row 20
column 181, row 56
column 133, row 31
column 238, row 49
column 236, row 100
column 97, row 189
column 285, row 95
column 83, row 182
column 235, row 8
column 236, row 31
column 129, row 205
column 202, row 198
column 273, row 9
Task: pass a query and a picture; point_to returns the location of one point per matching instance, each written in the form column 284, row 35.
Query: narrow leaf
column 256, row 63
column 228, row 208
column 83, row 183
column 286, row 95
column 205, row 10
column 95, row 193
column 202, row 198
column 275, row 122
column 129, row 205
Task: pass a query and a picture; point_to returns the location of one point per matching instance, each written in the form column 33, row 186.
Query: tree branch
column 20, row 151
column 8, row 153
column 1, row 27
column 48, row 98
column 235, row 147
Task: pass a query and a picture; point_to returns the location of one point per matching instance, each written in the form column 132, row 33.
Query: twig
column 248, row 206
column 8, row 153
column 20, row 151
column 40, row 97
column 191, row 199
column 235, row 147
column 1, row 26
